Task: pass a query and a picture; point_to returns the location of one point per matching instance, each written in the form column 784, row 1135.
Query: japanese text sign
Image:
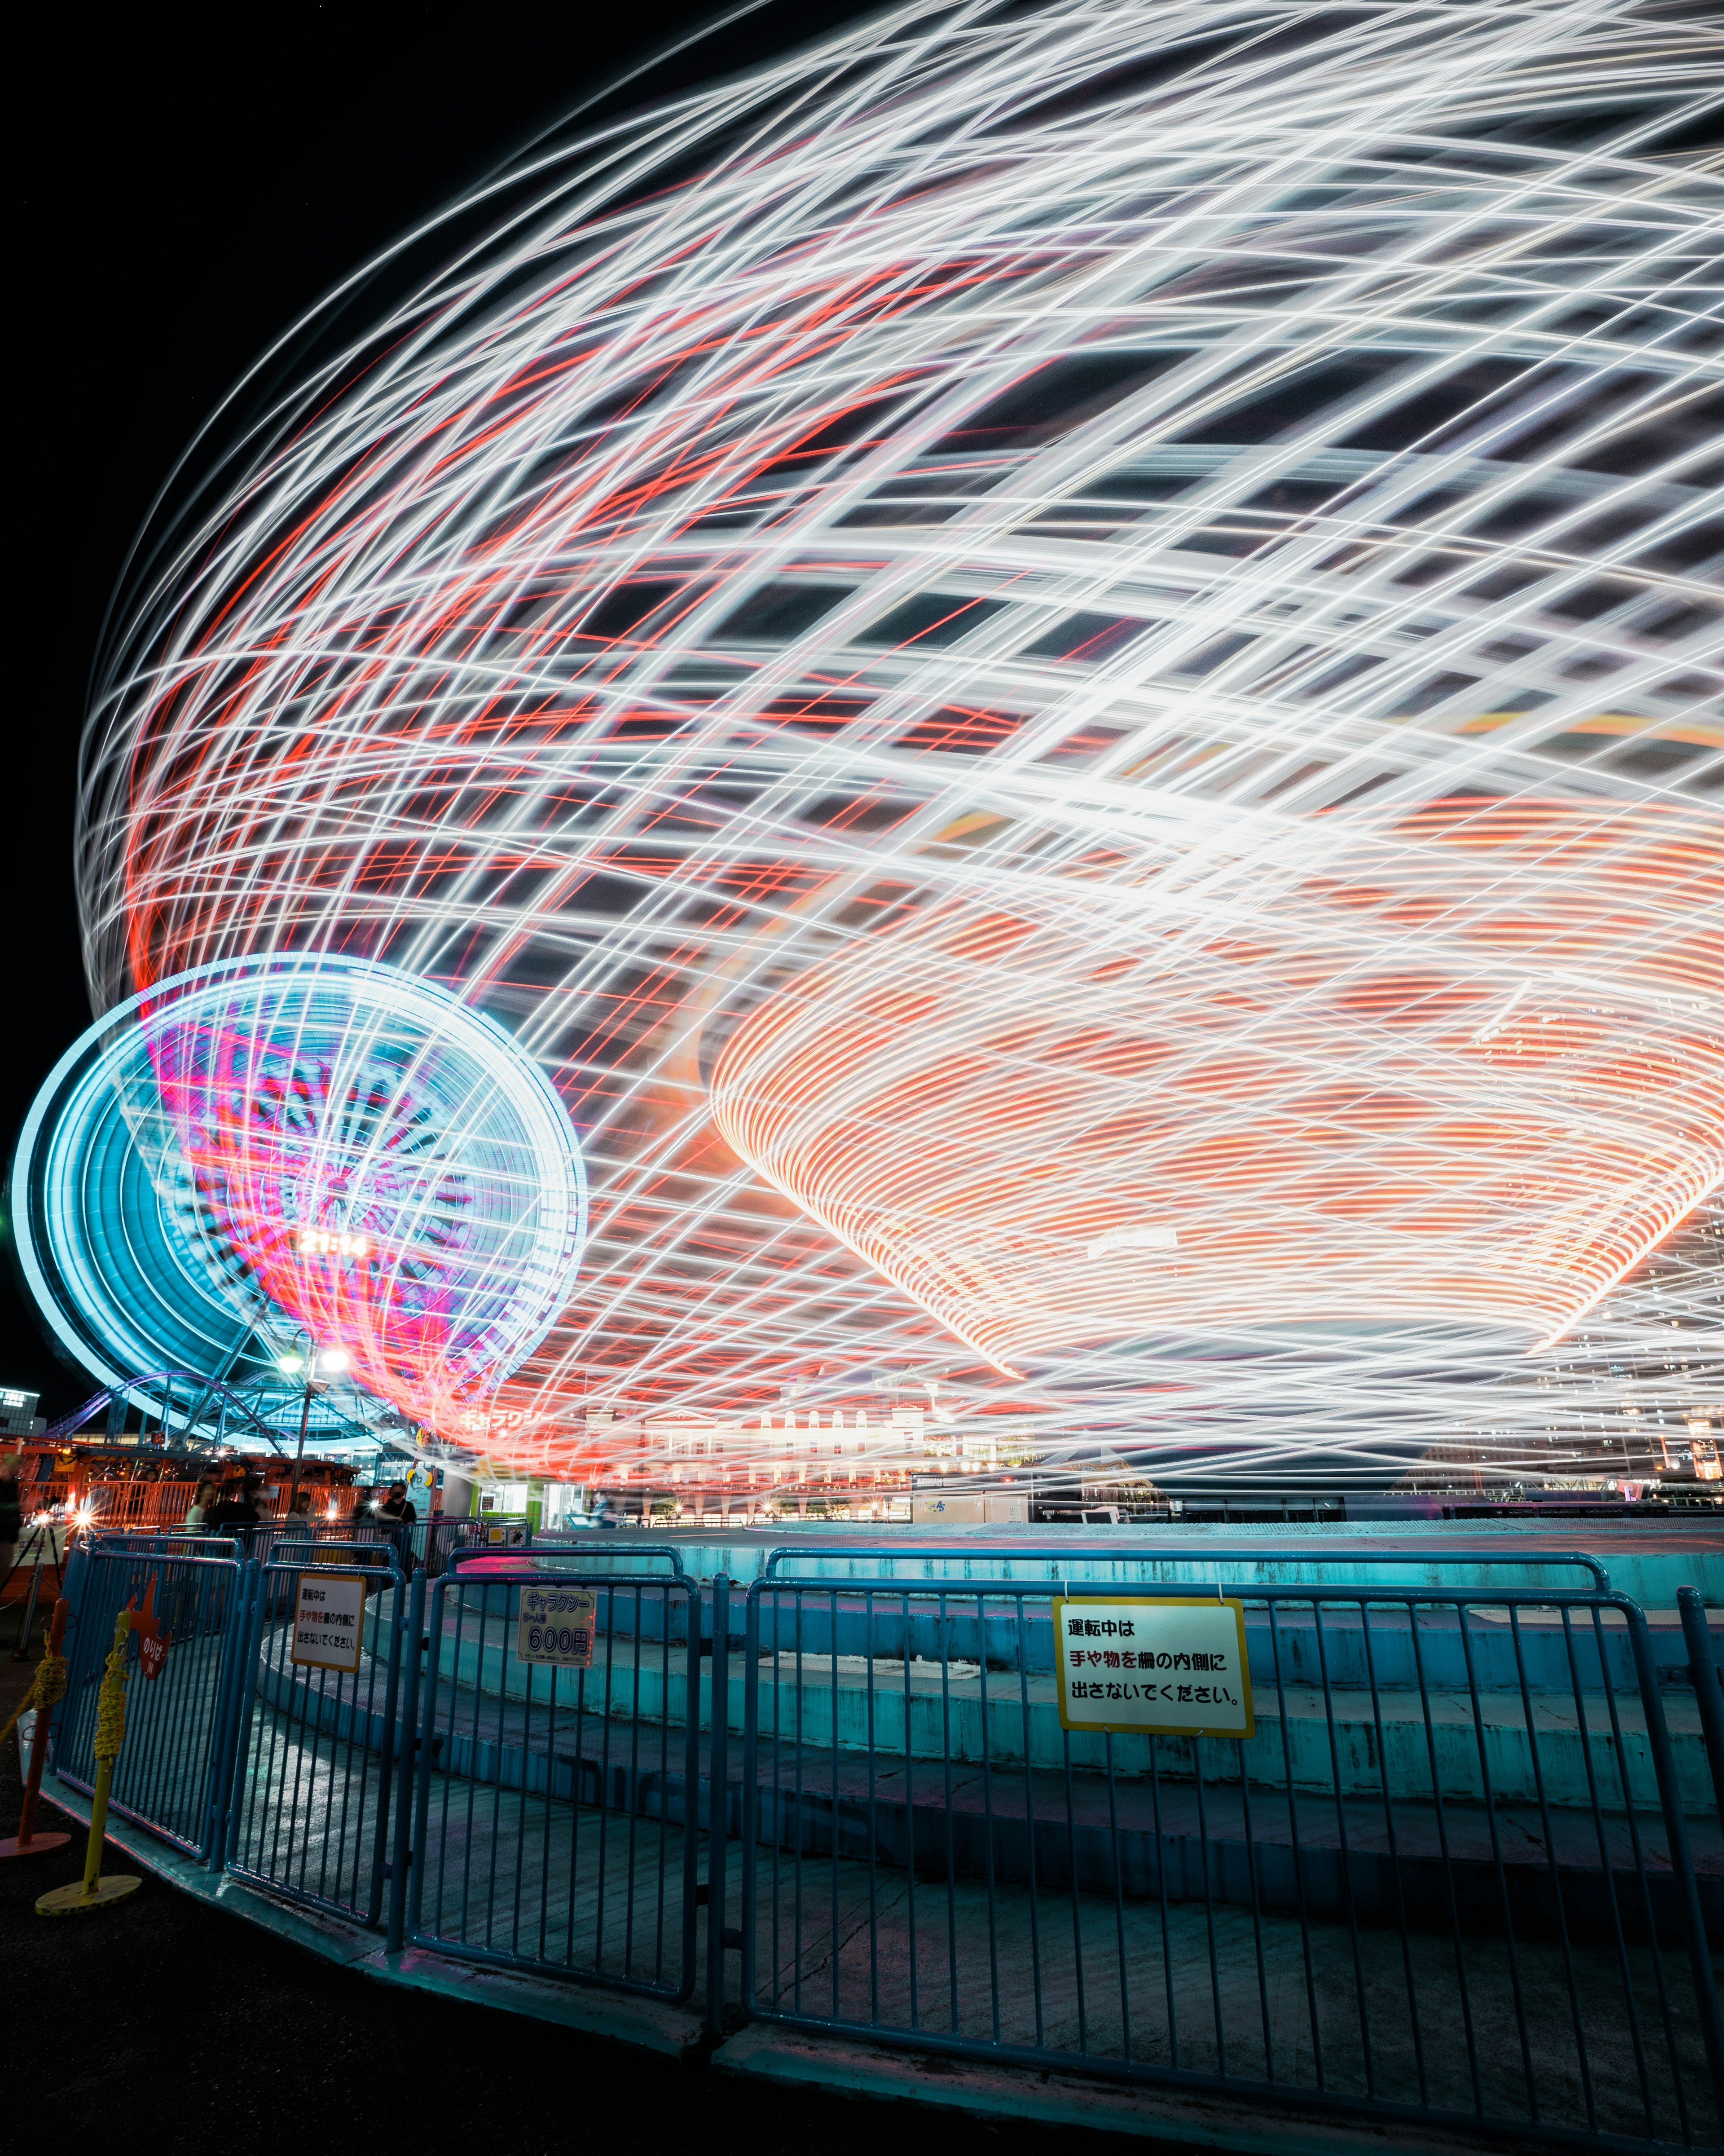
column 555, row 1626
column 1159, row 1666
column 329, row 1621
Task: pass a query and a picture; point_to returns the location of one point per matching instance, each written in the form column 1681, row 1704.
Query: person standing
column 399, row 1511
column 203, row 1499
column 236, row 1509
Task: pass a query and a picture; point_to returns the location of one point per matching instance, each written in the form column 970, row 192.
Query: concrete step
column 1418, row 1748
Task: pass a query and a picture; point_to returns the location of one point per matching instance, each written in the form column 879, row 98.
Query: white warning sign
column 329, row 1621
column 1159, row 1667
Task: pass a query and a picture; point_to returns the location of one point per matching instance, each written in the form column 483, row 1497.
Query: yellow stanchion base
column 68, row 1900
column 34, row 1847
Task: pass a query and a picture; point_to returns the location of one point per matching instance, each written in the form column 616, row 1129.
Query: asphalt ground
column 162, row 2022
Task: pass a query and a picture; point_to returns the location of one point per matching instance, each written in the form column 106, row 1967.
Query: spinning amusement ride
column 1018, row 719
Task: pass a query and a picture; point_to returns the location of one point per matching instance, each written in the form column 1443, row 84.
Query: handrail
column 1162, row 1555
column 609, row 1548
column 135, row 1541
column 273, row 1562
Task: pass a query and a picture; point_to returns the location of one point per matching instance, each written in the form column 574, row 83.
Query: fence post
column 428, row 1732
column 230, row 1689
column 402, row 1857
column 252, row 1636
column 1703, row 1669
column 1706, row 1988
column 691, row 1889
column 748, row 1825
column 72, row 1586
column 83, row 1582
column 717, row 1802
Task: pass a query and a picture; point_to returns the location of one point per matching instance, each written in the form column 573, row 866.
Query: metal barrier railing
column 1150, row 1556
column 1406, row 1891
column 428, row 1542
column 182, row 1699
column 1705, row 1676
column 1447, row 1872
column 320, row 1727
column 170, row 1541
column 558, row 1789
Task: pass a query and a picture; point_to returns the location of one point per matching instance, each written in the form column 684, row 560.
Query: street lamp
column 315, row 1361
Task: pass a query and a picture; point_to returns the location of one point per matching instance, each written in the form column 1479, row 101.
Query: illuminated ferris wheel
column 251, row 1149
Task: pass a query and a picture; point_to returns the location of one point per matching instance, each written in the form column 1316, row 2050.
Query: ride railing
column 322, row 1726
column 558, row 1792
column 1464, row 1866
column 427, row 1543
column 1447, row 1876
column 184, row 1658
column 159, row 1504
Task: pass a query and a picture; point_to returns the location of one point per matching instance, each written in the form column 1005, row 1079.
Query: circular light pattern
column 259, row 1145
column 1361, row 1111
column 1217, row 492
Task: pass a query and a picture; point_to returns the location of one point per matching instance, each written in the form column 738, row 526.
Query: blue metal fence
column 556, row 1804
column 1468, row 1867
column 317, row 1745
column 1412, row 1892
column 179, row 1722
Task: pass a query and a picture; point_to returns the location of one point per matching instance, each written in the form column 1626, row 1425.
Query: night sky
column 193, row 181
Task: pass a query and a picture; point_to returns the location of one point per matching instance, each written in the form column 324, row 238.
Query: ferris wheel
column 256, row 1148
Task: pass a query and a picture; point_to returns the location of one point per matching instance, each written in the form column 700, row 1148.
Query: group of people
column 224, row 1505
column 231, row 1503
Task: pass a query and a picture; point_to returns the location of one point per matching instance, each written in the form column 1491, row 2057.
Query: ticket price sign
column 555, row 1626
column 1152, row 1665
column 329, row 1621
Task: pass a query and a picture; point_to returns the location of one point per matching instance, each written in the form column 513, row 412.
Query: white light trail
column 1170, row 543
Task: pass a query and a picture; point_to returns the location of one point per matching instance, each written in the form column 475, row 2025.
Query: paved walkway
column 1218, row 1991
column 529, row 1879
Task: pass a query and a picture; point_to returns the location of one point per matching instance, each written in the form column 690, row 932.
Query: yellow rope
column 111, row 1701
column 47, row 1690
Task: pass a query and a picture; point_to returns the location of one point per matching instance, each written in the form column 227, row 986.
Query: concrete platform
column 984, row 2089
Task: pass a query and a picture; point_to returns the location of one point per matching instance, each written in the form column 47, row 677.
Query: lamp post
column 331, row 1359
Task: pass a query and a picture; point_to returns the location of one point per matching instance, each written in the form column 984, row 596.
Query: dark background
column 193, row 180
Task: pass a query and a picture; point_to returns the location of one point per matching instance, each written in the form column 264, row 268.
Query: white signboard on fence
column 1154, row 1666
column 555, row 1626
column 329, row 1621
